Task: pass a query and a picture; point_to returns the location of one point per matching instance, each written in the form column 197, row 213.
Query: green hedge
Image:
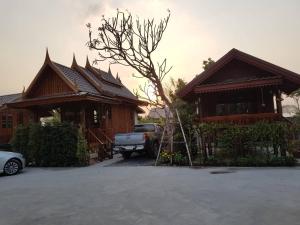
column 58, row 144
column 259, row 144
column 261, row 161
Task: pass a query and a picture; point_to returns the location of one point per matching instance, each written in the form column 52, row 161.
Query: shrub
column 180, row 159
column 20, row 141
column 165, row 156
column 82, row 153
column 177, row 157
column 235, row 140
column 290, row 161
column 213, row 161
column 282, row 161
column 55, row 144
column 34, row 143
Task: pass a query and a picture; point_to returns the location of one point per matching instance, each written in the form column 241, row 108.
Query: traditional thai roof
column 94, row 80
column 82, row 83
column 111, row 87
column 5, row 99
column 271, row 75
column 77, row 79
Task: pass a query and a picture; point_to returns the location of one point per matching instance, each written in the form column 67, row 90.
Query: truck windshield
column 144, row 128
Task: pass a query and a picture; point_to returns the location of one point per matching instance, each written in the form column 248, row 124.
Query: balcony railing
column 242, row 118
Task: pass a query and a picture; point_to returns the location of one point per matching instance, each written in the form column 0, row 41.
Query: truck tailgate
column 129, row 139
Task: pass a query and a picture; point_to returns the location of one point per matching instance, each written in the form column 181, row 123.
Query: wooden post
column 200, row 107
column 82, row 118
column 278, row 102
column 36, row 115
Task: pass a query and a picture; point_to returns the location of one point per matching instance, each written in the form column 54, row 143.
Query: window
column 7, row 121
column 234, row 108
column 3, row 121
column 220, row 109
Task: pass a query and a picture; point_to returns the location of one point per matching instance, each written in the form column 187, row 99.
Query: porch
column 98, row 118
column 242, row 118
column 242, row 106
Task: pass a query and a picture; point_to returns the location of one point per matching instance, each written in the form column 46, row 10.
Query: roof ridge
column 83, row 73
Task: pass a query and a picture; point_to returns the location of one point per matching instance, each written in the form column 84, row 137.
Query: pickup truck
column 144, row 139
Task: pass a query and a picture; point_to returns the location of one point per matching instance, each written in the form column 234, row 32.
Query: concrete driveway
column 128, row 194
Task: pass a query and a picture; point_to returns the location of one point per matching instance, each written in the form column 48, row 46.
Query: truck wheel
column 126, row 155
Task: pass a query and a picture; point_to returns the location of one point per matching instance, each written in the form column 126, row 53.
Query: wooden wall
column 18, row 117
column 112, row 118
column 209, row 101
column 122, row 118
column 49, row 84
column 237, row 71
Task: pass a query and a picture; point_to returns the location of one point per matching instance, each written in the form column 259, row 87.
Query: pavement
column 134, row 192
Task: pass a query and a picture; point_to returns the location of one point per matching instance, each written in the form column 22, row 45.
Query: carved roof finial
column 87, row 64
column 74, row 63
column 109, row 70
column 118, row 78
column 23, row 91
column 47, row 58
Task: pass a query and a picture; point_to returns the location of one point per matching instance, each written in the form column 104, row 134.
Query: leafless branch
column 131, row 42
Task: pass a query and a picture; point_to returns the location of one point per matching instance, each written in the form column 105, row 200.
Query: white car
column 11, row 162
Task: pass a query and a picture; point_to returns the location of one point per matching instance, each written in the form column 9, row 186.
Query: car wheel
column 126, row 155
column 12, row 167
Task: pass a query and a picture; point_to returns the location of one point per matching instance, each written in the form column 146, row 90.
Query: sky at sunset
column 268, row 29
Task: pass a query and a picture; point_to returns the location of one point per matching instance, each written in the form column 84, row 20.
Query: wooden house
column 240, row 88
column 10, row 118
column 94, row 100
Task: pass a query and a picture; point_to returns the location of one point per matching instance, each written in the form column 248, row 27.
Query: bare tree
column 132, row 42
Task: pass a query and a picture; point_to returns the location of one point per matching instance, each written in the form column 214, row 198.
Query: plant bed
column 286, row 161
column 177, row 158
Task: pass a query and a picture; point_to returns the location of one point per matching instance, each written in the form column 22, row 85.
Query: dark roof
column 76, row 78
column 294, row 78
column 107, row 82
column 88, row 81
column 107, row 76
column 4, row 99
column 113, row 88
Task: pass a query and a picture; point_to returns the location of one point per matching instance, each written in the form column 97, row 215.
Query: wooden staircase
column 99, row 144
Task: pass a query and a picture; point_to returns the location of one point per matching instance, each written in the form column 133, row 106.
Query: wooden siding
column 264, row 82
column 49, row 84
column 242, row 118
column 122, row 118
column 237, row 71
column 18, row 117
column 254, row 96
